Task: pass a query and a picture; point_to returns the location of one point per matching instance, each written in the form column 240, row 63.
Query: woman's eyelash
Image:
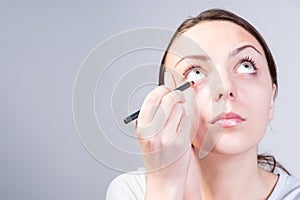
column 188, row 69
column 245, row 59
column 250, row 60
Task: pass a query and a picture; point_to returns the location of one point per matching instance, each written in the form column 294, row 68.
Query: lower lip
column 228, row 123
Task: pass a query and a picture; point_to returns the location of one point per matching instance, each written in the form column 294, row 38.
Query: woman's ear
column 272, row 103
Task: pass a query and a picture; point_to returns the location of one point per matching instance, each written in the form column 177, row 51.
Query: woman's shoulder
column 127, row 186
column 132, row 185
column 287, row 187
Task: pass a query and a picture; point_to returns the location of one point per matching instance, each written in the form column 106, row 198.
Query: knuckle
column 156, row 94
column 164, row 142
column 168, row 140
column 169, row 99
column 152, row 98
column 138, row 132
column 149, row 144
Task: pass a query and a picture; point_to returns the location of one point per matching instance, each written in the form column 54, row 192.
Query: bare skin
column 230, row 169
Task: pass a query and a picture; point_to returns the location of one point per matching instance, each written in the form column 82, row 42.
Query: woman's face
column 240, row 105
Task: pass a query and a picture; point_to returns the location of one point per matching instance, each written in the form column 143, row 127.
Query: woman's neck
column 234, row 177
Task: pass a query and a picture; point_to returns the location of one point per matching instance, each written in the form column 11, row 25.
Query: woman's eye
column 195, row 74
column 246, row 67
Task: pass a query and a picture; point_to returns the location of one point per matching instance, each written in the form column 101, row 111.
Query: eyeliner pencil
column 135, row 115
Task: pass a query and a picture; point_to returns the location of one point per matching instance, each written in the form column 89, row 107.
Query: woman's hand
column 163, row 131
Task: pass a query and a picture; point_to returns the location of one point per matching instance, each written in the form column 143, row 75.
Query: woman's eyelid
column 243, row 63
column 195, row 62
column 190, row 68
column 191, row 64
column 247, row 57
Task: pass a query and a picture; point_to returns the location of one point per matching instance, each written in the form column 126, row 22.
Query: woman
column 174, row 126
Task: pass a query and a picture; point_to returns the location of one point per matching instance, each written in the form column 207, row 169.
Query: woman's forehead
column 220, row 34
column 215, row 39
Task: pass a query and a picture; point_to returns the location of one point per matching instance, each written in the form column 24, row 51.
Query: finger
column 170, row 129
column 150, row 105
column 184, row 130
column 182, row 143
column 167, row 103
column 161, row 115
column 169, row 80
column 152, row 100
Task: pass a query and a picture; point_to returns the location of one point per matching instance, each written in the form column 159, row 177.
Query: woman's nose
column 227, row 90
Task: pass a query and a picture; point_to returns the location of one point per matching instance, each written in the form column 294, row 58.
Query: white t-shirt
column 132, row 186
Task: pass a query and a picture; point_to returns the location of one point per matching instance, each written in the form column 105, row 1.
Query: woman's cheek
column 204, row 115
column 190, row 109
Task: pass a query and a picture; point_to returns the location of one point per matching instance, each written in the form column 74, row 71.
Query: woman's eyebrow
column 239, row 49
column 206, row 58
column 196, row 57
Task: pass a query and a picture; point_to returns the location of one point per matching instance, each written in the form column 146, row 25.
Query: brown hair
column 223, row 15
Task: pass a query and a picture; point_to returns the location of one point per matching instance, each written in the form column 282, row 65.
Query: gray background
column 43, row 44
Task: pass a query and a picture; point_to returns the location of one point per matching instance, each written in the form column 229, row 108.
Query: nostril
column 220, row 96
column 231, row 94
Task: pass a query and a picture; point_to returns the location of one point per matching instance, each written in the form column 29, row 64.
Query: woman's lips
column 227, row 120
